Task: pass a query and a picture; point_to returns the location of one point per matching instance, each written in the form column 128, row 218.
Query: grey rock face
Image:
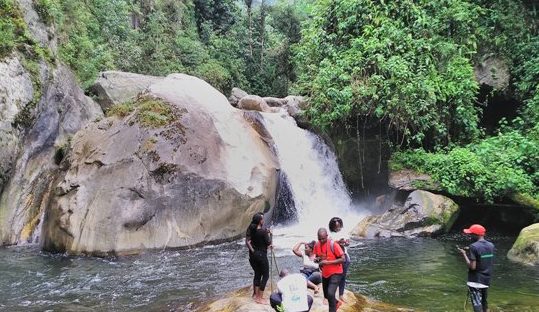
column 423, row 214
column 62, row 111
column 114, row 87
column 130, row 187
column 16, row 91
column 494, row 72
column 408, row 180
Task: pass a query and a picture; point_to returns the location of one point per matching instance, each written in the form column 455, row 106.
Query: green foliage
column 407, row 63
column 497, row 167
column 204, row 38
column 13, row 30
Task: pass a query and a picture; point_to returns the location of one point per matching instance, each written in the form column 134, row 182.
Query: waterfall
column 313, row 179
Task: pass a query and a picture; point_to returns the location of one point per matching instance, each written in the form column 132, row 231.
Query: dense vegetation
column 226, row 42
column 408, row 65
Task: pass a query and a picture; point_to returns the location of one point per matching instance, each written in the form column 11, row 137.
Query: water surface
column 425, row 274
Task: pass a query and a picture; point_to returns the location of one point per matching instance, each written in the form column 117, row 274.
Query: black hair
column 311, row 244
column 333, row 223
column 257, row 217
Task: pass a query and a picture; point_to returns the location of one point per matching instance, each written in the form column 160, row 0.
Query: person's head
column 258, row 218
column 335, row 224
column 283, row 273
column 476, row 230
column 309, row 248
column 322, row 235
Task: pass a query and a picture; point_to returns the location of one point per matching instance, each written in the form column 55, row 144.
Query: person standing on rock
column 330, row 258
column 335, row 226
column 258, row 240
column 479, row 258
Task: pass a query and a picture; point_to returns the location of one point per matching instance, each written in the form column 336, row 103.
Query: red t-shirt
column 324, row 252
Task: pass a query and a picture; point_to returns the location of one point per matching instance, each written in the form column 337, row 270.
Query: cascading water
column 313, row 178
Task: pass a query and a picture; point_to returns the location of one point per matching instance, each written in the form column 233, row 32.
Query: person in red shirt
column 330, row 258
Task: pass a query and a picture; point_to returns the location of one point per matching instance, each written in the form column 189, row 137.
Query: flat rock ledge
column 241, row 301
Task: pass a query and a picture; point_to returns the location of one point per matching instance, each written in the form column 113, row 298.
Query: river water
column 425, row 274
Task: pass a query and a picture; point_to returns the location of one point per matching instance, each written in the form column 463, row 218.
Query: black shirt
column 482, row 252
column 261, row 240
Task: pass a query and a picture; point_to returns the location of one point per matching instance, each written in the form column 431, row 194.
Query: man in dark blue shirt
column 479, row 257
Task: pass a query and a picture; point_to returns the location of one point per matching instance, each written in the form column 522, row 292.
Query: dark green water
column 425, row 274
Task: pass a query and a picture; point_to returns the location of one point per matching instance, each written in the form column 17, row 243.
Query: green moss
column 154, row 113
column 149, row 112
column 121, row 110
column 526, row 200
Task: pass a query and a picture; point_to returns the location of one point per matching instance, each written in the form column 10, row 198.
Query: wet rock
column 241, row 301
column 526, row 248
column 423, row 214
column 133, row 184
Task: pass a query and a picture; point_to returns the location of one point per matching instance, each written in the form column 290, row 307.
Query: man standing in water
column 479, row 257
column 330, row 259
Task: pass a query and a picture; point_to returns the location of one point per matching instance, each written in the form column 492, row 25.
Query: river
column 425, row 274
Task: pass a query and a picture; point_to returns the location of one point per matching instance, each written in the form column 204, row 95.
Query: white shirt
column 308, row 263
column 293, row 288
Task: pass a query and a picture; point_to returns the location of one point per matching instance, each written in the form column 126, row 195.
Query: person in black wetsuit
column 479, row 258
column 258, row 240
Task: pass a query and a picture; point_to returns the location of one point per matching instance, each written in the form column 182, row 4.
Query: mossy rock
column 526, row 247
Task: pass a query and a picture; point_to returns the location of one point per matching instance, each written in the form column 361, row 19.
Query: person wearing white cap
column 479, row 257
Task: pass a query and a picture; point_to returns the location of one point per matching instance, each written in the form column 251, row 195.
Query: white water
column 314, row 181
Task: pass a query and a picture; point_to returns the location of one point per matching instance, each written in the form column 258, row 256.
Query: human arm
column 296, row 250
column 470, row 261
column 248, row 244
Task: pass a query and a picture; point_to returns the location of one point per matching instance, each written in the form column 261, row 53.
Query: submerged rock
column 180, row 167
column 526, row 248
column 241, row 301
column 423, row 214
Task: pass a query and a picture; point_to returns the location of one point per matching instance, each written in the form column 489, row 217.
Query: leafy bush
column 497, row 167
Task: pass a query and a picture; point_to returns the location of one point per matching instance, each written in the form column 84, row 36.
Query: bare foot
column 262, row 301
column 325, row 301
column 339, row 303
column 342, row 300
column 316, row 290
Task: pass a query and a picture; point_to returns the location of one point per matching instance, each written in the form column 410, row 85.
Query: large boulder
column 526, row 247
column 241, row 301
column 423, row 214
column 180, row 167
column 115, row 87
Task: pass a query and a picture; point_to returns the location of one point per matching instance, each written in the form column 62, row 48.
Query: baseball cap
column 476, row 229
